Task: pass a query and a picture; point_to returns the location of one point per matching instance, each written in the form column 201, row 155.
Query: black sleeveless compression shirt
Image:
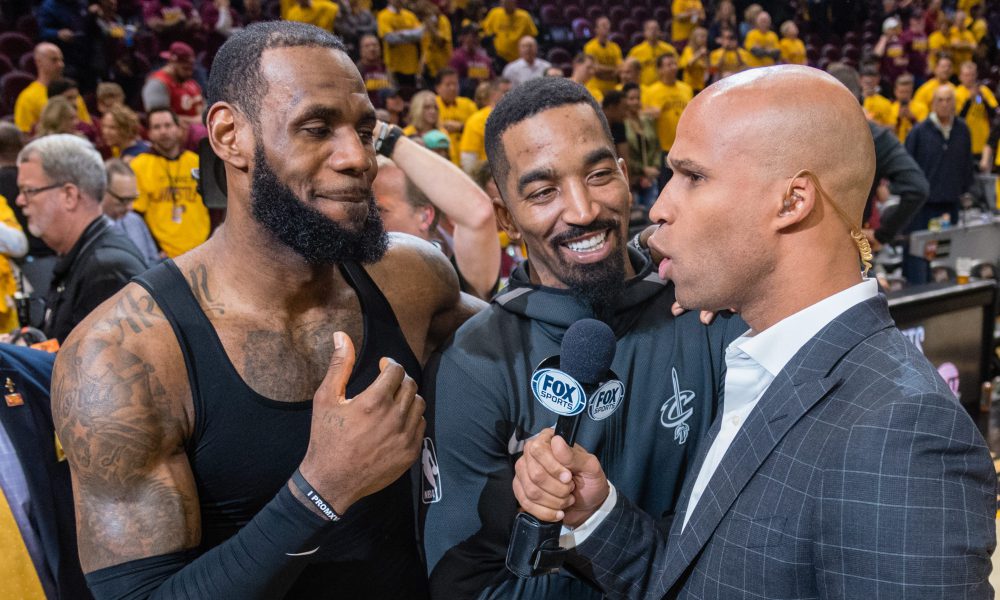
column 245, row 447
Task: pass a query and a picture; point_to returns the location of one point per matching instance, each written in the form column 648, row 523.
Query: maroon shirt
column 376, row 79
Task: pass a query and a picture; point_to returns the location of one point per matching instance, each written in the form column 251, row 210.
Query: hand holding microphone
column 554, row 478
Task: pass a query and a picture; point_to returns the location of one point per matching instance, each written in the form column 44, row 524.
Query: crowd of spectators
column 128, row 76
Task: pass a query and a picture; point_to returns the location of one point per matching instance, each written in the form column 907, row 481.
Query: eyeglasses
column 29, row 192
column 122, row 199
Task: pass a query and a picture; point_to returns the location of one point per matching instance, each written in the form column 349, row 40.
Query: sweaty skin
column 121, row 397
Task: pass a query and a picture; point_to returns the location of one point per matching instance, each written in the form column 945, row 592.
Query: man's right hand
column 358, row 446
column 554, row 482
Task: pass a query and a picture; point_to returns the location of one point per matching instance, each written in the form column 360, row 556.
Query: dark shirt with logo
column 481, row 408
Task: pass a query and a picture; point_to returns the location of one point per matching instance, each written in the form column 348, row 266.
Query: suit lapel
column 804, row 381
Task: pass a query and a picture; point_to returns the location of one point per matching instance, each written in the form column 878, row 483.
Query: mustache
column 582, row 230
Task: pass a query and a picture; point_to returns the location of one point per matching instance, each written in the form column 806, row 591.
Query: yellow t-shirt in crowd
column 925, row 93
column 507, row 30
column 169, row 201
column 695, row 71
column 977, row 117
column 793, row 52
column 30, row 102
column 767, row 40
column 722, row 61
column 670, row 100
column 647, row 55
column 878, row 108
column 400, row 58
column 474, row 134
column 321, row 13
column 8, row 286
column 960, row 55
column 937, row 43
column 437, row 53
column 460, row 111
column 595, row 91
column 903, row 125
column 608, row 55
column 681, row 28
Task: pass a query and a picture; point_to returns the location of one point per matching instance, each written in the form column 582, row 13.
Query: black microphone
column 585, row 356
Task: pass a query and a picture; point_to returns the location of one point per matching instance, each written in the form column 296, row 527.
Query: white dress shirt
column 752, row 363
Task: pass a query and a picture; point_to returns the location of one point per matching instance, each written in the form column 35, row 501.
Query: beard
column 308, row 232
column 599, row 284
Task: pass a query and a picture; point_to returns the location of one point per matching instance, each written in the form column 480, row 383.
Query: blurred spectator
column 961, row 41
column 877, row 107
column 393, row 103
column 424, row 114
column 220, row 20
column 62, row 23
column 120, row 130
column 528, row 66
column 891, row 50
column 58, row 116
column 762, row 43
column 103, row 42
column 357, row 22
column 694, row 60
column 454, row 110
column 168, row 197
column 725, row 17
column 667, row 99
column 630, row 72
column 473, row 143
column 62, row 180
column 401, row 33
column 68, row 89
column 109, row 95
column 173, row 87
column 906, row 112
column 939, row 44
column 38, row 264
column 686, row 14
column 13, row 244
column 507, row 24
column 28, row 107
column 435, row 46
column 615, row 111
column 583, row 73
column 649, row 50
column 749, row 21
column 171, row 20
column 976, row 104
column 554, row 72
column 321, row 13
column 372, row 68
column 471, row 62
column 416, row 188
column 728, row 58
column 119, row 196
column 793, row 51
column 607, row 55
column 645, row 157
column 942, row 146
column 916, row 43
column 437, row 142
column 942, row 75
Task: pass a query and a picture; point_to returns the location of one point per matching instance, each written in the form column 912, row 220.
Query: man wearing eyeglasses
column 119, row 196
column 61, row 181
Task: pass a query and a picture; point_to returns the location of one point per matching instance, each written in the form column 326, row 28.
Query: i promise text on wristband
column 313, row 496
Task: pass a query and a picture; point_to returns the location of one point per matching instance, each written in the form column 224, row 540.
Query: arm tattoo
column 133, row 313
column 134, row 493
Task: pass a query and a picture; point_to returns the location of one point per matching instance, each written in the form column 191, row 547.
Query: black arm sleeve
column 261, row 561
column 906, row 180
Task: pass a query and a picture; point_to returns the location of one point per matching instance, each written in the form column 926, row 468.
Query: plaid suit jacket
column 857, row 476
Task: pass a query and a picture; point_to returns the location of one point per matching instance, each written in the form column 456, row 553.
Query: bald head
column 791, row 118
column 943, row 103
column 49, row 61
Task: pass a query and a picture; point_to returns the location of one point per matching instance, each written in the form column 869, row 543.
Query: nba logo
column 430, row 480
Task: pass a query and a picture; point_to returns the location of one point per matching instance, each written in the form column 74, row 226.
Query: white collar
column 776, row 345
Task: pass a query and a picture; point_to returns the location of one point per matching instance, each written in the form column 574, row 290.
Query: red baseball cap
column 179, row 51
